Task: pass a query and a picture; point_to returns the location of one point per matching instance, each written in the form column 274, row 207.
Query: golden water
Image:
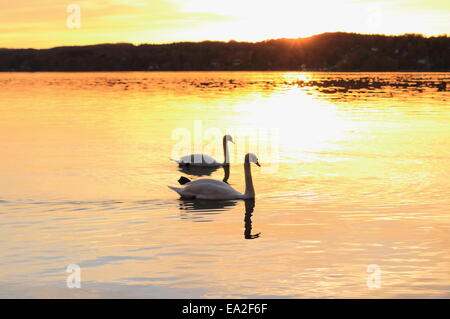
column 347, row 180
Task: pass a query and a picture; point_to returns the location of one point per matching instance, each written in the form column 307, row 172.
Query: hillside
column 328, row 52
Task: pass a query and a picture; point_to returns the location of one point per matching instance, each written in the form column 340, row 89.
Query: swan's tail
column 176, row 189
column 178, row 162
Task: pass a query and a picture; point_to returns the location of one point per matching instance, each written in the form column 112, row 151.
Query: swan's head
column 251, row 158
column 228, row 138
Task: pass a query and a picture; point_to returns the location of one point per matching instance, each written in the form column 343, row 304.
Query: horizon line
column 231, row 40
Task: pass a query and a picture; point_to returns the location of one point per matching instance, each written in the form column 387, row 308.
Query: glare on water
column 348, row 180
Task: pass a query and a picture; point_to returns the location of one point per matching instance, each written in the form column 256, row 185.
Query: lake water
column 350, row 181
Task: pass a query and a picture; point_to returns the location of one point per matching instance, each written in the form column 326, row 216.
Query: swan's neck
column 249, row 189
column 226, row 154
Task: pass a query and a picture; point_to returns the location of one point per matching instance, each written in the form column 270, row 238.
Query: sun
column 301, row 122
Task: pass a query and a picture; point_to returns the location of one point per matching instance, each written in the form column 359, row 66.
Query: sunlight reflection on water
column 361, row 178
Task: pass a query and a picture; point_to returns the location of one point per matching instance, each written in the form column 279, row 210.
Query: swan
column 212, row 189
column 203, row 160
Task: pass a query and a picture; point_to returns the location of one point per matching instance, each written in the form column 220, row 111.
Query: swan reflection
column 204, row 210
column 249, row 208
column 196, row 171
column 206, row 205
column 199, row 210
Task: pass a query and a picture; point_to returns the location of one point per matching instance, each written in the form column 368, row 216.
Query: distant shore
column 339, row 52
column 212, row 71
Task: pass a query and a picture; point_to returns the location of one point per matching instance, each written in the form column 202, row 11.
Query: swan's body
column 203, row 160
column 212, row 189
column 207, row 189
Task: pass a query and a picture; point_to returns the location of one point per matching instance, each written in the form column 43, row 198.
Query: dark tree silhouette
column 328, row 51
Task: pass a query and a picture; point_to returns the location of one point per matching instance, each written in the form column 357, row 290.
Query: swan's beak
column 257, row 163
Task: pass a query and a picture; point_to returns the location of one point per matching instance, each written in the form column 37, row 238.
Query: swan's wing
column 205, row 180
column 209, row 160
column 210, row 189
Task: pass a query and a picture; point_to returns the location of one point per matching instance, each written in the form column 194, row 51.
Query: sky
column 51, row 23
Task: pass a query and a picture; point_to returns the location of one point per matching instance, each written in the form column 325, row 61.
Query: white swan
column 217, row 190
column 203, row 160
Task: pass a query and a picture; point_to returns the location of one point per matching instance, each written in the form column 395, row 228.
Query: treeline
column 327, row 52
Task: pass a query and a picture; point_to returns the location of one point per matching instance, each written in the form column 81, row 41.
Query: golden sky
column 43, row 23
